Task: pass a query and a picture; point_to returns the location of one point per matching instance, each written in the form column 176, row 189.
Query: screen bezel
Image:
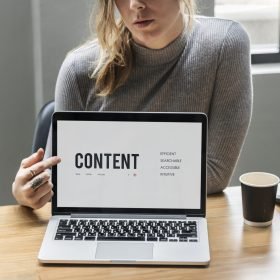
column 131, row 117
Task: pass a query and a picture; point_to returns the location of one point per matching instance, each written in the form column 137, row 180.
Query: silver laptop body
column 131, row 189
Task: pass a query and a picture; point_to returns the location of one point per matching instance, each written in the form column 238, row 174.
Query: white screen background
column 144, row 187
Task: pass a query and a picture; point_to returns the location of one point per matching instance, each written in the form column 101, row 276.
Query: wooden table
column 237, row 250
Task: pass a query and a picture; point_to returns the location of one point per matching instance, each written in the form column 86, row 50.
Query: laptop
column 130, row 189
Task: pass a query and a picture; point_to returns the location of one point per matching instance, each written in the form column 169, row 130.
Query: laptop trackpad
column 124, row 251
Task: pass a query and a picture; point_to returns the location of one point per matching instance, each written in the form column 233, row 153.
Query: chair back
column 42, row 126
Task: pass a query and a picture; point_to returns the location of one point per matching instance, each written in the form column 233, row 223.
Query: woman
column 158, row 57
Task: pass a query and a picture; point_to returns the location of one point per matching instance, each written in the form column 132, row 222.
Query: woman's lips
column 143, row 23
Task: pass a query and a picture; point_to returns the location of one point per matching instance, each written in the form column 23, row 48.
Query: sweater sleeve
column 67, row 93
column 230, row 108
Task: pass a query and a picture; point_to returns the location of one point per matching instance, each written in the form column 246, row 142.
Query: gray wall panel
column 16, row 90
column 59, row 26
column 205, row 7
column 261, row 150
column 64, row 25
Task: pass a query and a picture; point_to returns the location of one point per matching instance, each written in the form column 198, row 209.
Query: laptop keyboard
column 127, row 230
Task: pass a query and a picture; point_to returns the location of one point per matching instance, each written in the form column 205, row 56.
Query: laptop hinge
column 128, row 216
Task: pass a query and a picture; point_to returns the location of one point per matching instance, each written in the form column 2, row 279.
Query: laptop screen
column 129, row 164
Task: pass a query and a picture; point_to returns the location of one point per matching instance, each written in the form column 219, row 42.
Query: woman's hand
column 32, row 186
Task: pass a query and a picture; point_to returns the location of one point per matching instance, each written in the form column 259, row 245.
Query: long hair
column 115, row 60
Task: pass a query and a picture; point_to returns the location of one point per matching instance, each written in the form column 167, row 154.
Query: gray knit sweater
column 206, row 70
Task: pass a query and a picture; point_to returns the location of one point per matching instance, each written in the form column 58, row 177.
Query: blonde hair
column 115, row 61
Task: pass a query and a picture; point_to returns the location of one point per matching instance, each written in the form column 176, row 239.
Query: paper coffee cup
column 258, row 197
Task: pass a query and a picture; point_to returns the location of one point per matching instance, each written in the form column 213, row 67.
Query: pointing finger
column 41, row 166
column 34, row 158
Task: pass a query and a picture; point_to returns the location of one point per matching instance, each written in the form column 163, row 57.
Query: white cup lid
column 259, row 179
